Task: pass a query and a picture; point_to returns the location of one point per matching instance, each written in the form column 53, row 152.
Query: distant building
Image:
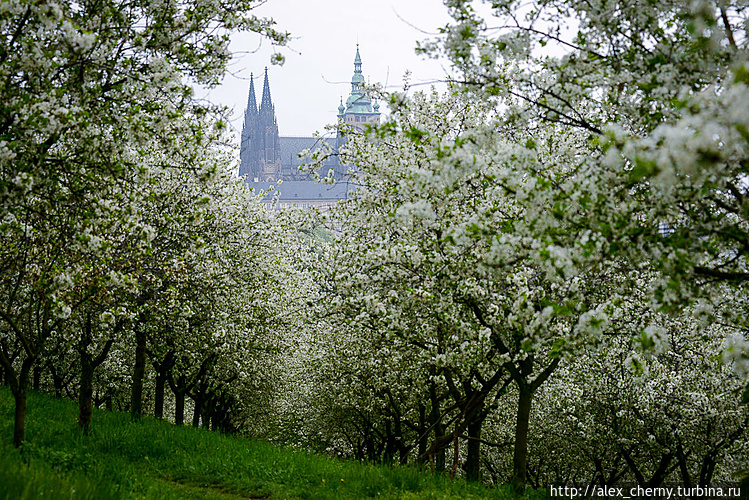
column 266, row 158
column 303, row 194
column 260, row 149
column 359, row 109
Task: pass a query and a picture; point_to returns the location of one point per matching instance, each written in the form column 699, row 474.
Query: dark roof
column 291, row 191
column 292, row 146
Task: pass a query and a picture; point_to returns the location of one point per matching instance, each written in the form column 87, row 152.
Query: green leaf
column 556, row 348
column 643, row 168
column 741, row 75
column 743, row 131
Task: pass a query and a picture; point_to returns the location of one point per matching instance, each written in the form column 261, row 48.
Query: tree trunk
column 662, row 471
column 139, row 372
column 86, row 389
column 37, row 377
column 370, row 446
column 206, row 417
column 86, row 392
column 158, row 409
column 439, row 429
column 707, row 469
column 520, row 456
column 20, row 392
column 423, row 437
column 197, row 412
column 389, row 438
column 178, row 385
column 58, row 382
column 686, row 477
column 440, row 458
column 473, row 449
column 179, row 407
column 19, row 429
column 403, row 452
column 163, row 369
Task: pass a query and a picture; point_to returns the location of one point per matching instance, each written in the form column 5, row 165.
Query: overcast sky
column 307, row 89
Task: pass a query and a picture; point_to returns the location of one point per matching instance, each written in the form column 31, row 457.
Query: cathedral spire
column 358, row 79
column 251, row 102
column 266, row 105
column 260, row 149
column 249, row 133
column 357, row 60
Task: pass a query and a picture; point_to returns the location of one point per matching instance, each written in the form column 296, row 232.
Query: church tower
column 260, row 148
column 359, row 110
column 247, row 156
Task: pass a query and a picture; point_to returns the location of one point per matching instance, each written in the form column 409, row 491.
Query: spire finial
column 358, row 79
column 265, row 102
column 251, row 102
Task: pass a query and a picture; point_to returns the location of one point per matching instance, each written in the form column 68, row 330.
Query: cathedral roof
column 292, row 146
column 292, row 191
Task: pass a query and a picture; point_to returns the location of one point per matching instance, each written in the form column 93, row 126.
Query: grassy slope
column 154, row 459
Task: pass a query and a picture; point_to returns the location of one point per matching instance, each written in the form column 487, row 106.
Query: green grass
column 154, row 459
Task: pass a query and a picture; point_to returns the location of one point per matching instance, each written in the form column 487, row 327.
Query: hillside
column 155, row 459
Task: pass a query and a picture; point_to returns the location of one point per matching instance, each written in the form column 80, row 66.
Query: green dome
column 358, row 102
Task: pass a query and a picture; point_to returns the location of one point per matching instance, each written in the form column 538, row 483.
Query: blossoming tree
column 660, row 88
column 86, row 85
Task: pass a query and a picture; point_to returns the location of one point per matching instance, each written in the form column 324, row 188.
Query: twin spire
column 266, row 105
column 260, row 150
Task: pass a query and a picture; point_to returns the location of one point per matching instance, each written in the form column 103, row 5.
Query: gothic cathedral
column 260, row 147
column 266, row 157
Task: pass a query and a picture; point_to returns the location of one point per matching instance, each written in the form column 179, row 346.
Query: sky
column 307, row 89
